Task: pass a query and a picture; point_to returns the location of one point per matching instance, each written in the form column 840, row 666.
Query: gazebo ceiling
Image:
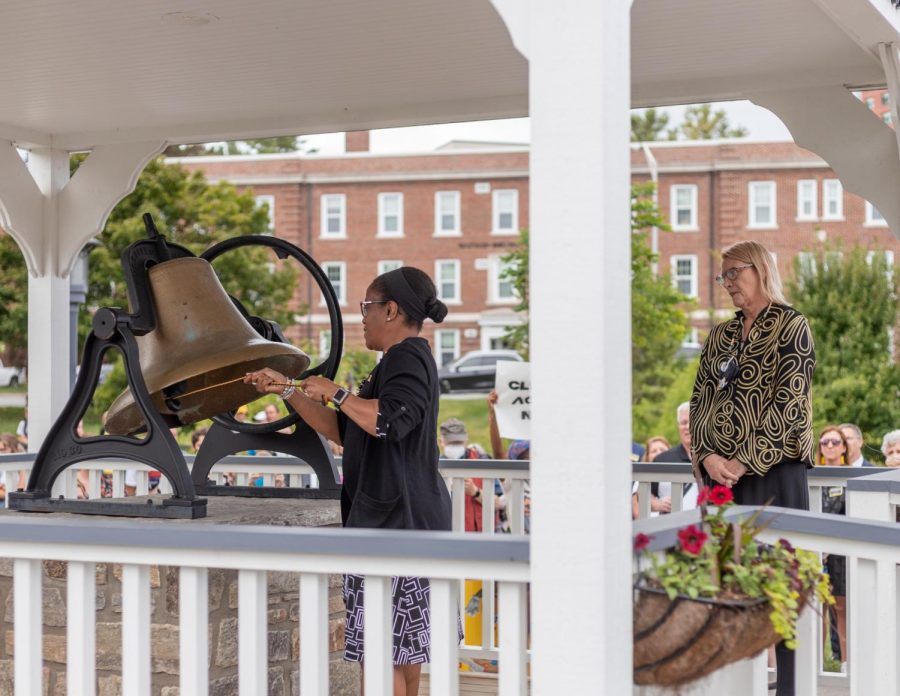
column 83, row 73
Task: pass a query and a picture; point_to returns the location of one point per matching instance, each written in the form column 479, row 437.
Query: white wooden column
column 579, row 90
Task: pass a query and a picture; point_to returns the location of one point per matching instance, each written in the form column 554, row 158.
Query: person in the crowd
column 389, row 434
column 11, row 444
column 681, row 453
column 454, row 442
column 197, row 438
column 833, row 450
column 653, row 449
column 751, row 407
column 241, row 414
column 22, row 427
column 855, row 443
column 890, row 448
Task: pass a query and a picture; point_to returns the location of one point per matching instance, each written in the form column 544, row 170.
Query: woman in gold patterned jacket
column 751, row 409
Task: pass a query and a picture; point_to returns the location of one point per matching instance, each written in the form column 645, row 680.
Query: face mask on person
column 455, row 451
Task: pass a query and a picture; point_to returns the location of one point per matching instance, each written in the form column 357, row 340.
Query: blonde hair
column 754, row 253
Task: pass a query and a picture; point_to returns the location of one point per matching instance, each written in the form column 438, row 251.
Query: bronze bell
column 200, row 341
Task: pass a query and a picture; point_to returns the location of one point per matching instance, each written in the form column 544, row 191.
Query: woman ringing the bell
column 751, row 408
column 388, row 430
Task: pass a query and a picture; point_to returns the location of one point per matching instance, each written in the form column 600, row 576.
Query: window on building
column 887, row 118
column 684, row 207
column 446, row 272
column 506, row 211
column 446, row 346
column 268, row 202
column 807, row 208
column 334, row 216
column 389, row 265
column 685, row 274
column 874, row 217
column 762, row 204
column 446, row 214
column 832, row 199
column 337, row 275
column 324, row 343
column 390, row 214
column 885, row 97
column 501, row 290
column 870, row 102
column 888, row 257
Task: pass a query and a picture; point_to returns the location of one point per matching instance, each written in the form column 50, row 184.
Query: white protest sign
column 513, row 408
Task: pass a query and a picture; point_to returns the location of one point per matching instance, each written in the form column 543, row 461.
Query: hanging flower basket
column 719, row 596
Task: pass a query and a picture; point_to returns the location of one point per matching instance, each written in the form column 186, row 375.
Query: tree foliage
column 702, row 123
column 259, row 146
column 658, row 320
column 851, row 303
column 648, row 126
column 13, row 301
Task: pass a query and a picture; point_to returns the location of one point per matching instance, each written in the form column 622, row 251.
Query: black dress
column 392, row 482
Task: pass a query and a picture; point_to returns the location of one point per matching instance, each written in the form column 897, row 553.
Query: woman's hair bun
column 437, row 310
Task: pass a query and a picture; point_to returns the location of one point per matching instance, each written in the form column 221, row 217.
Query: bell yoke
column 186, row 345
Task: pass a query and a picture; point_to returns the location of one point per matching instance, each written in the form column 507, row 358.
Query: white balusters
column 193, row 613
column 458, row 498
column 136, row 630
column 314, row 634
column 513, row 638
column 806, row 657
column 252, row 633
column 378, row 641
column 444, row 676
column 81, row 629
column 28, row 626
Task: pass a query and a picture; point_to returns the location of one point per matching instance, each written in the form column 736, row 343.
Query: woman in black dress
column 751, row 409
column 389, row 434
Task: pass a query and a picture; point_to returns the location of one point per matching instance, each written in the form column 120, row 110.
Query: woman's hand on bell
column 318, row 388
column 266, row 381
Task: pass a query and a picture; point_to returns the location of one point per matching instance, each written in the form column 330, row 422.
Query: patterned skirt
column 410, row 619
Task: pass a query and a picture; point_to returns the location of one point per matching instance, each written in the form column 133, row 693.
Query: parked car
column 11, row 376
column 473, row 371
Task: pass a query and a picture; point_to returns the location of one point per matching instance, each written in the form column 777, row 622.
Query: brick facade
column 714, row 180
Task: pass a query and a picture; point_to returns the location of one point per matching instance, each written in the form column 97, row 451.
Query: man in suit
column 854, row 438
column 680, row 453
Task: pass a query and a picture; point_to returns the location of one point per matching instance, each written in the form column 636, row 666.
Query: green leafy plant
column 724, row 560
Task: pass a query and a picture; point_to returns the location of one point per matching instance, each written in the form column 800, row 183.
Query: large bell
column 200, row 341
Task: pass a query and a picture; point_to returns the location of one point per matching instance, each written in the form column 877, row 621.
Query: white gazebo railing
column 443, row 557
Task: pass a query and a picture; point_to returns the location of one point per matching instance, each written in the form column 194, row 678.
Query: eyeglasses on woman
column 731, row 273
column 364, row 305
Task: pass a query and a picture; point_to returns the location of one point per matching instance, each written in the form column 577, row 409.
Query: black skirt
column 784, row 485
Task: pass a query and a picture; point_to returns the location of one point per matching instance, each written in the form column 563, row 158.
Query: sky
column 762, row 124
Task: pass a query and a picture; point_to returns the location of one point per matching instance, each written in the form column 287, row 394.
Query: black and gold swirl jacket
column 764, row 415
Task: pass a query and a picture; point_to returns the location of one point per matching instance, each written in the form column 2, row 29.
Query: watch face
column 340, row 396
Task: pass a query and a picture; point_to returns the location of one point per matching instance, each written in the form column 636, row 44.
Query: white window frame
column 692, row 225
column 753, row 188
column 494, row 271
column 457, row 280
column 888, row 118
column 342, row 293
column 832, row 189
column 438, row 348
column 495, row 213
column 382, row 197
column 324, row 342
column 342, row 216
column 811, row 186
column 457, row 210
column 695, row 273
column 388, row 265
column 888, row 259
column 871, row 220
column 269, row 199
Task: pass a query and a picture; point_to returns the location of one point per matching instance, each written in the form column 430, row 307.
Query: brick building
column 456, row 211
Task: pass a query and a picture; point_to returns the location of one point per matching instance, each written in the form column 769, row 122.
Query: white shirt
column 858, row 462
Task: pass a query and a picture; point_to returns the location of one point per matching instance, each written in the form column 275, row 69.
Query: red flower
column 641, row 541
column 692, row 539
column 720, row 495
column 703, row 496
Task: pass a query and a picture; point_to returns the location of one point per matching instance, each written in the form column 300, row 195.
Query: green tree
column 648, row 126
column 702, row 123
column 13, row 301
column 259, row 146
column 658, row 320
column 851, row 303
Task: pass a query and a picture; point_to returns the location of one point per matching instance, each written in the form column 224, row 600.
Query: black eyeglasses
column 828, row 442
column 364, row 305
column 731, row 273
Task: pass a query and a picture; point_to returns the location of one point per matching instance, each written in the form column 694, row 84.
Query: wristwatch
column 340, row 396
